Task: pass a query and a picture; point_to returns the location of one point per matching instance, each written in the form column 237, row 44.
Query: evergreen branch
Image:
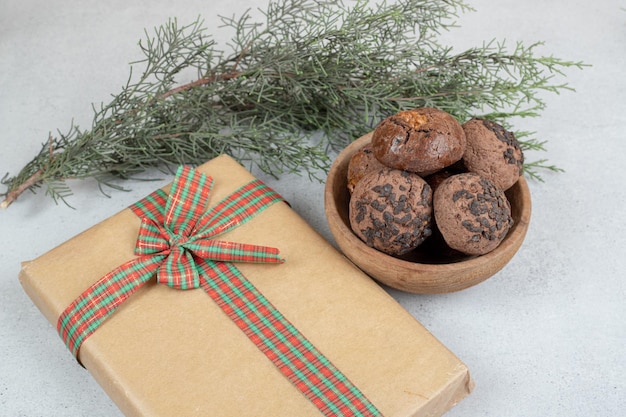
column 312, row 76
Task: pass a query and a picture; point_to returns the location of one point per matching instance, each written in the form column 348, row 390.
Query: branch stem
column 11, row 196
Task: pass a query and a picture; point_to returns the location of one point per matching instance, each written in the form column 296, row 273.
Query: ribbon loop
column 151, row 238
column 186, row 202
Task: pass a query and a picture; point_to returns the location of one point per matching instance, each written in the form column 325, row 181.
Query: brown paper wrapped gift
column 168, row 352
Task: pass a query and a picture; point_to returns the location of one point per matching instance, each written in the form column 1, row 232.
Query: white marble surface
column 544, row 337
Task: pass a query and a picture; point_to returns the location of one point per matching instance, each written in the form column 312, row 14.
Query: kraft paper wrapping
column 169, row 352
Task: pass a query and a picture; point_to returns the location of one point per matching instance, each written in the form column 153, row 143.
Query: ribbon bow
column 186, row 235
column 177, row 243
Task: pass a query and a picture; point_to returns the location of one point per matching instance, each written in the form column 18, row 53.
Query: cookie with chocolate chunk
column 493, row 152
column 362, row 162
column 472, row 214
column 391, row 209
column 422, row 140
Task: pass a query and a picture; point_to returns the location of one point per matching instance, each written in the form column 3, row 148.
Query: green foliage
column 311, row 77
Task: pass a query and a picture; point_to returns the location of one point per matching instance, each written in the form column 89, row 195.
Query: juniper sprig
column 309, row 77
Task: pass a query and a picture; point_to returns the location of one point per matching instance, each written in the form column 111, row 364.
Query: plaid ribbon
column 176, row 243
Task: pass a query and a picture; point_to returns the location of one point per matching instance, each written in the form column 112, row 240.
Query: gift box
column 217, row 328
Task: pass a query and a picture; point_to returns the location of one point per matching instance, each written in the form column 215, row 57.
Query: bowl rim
column 435, row 278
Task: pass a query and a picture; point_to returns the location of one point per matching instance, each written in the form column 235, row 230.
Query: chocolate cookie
column 472, row 214
column 492, row 152
column 390, row 210
column 362, row 162
column 422, row 140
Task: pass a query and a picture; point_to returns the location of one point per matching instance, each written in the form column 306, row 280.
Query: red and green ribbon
column 177, row 244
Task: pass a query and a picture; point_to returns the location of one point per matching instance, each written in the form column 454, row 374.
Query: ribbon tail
column 280, row 341
column 219, row 250
column 83, row 317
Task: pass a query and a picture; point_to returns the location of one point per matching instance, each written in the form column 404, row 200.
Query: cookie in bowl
column 423, row 140
column 472, row 214
column 391, row 209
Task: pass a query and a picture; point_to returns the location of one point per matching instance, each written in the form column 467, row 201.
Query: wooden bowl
column 432, row 268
